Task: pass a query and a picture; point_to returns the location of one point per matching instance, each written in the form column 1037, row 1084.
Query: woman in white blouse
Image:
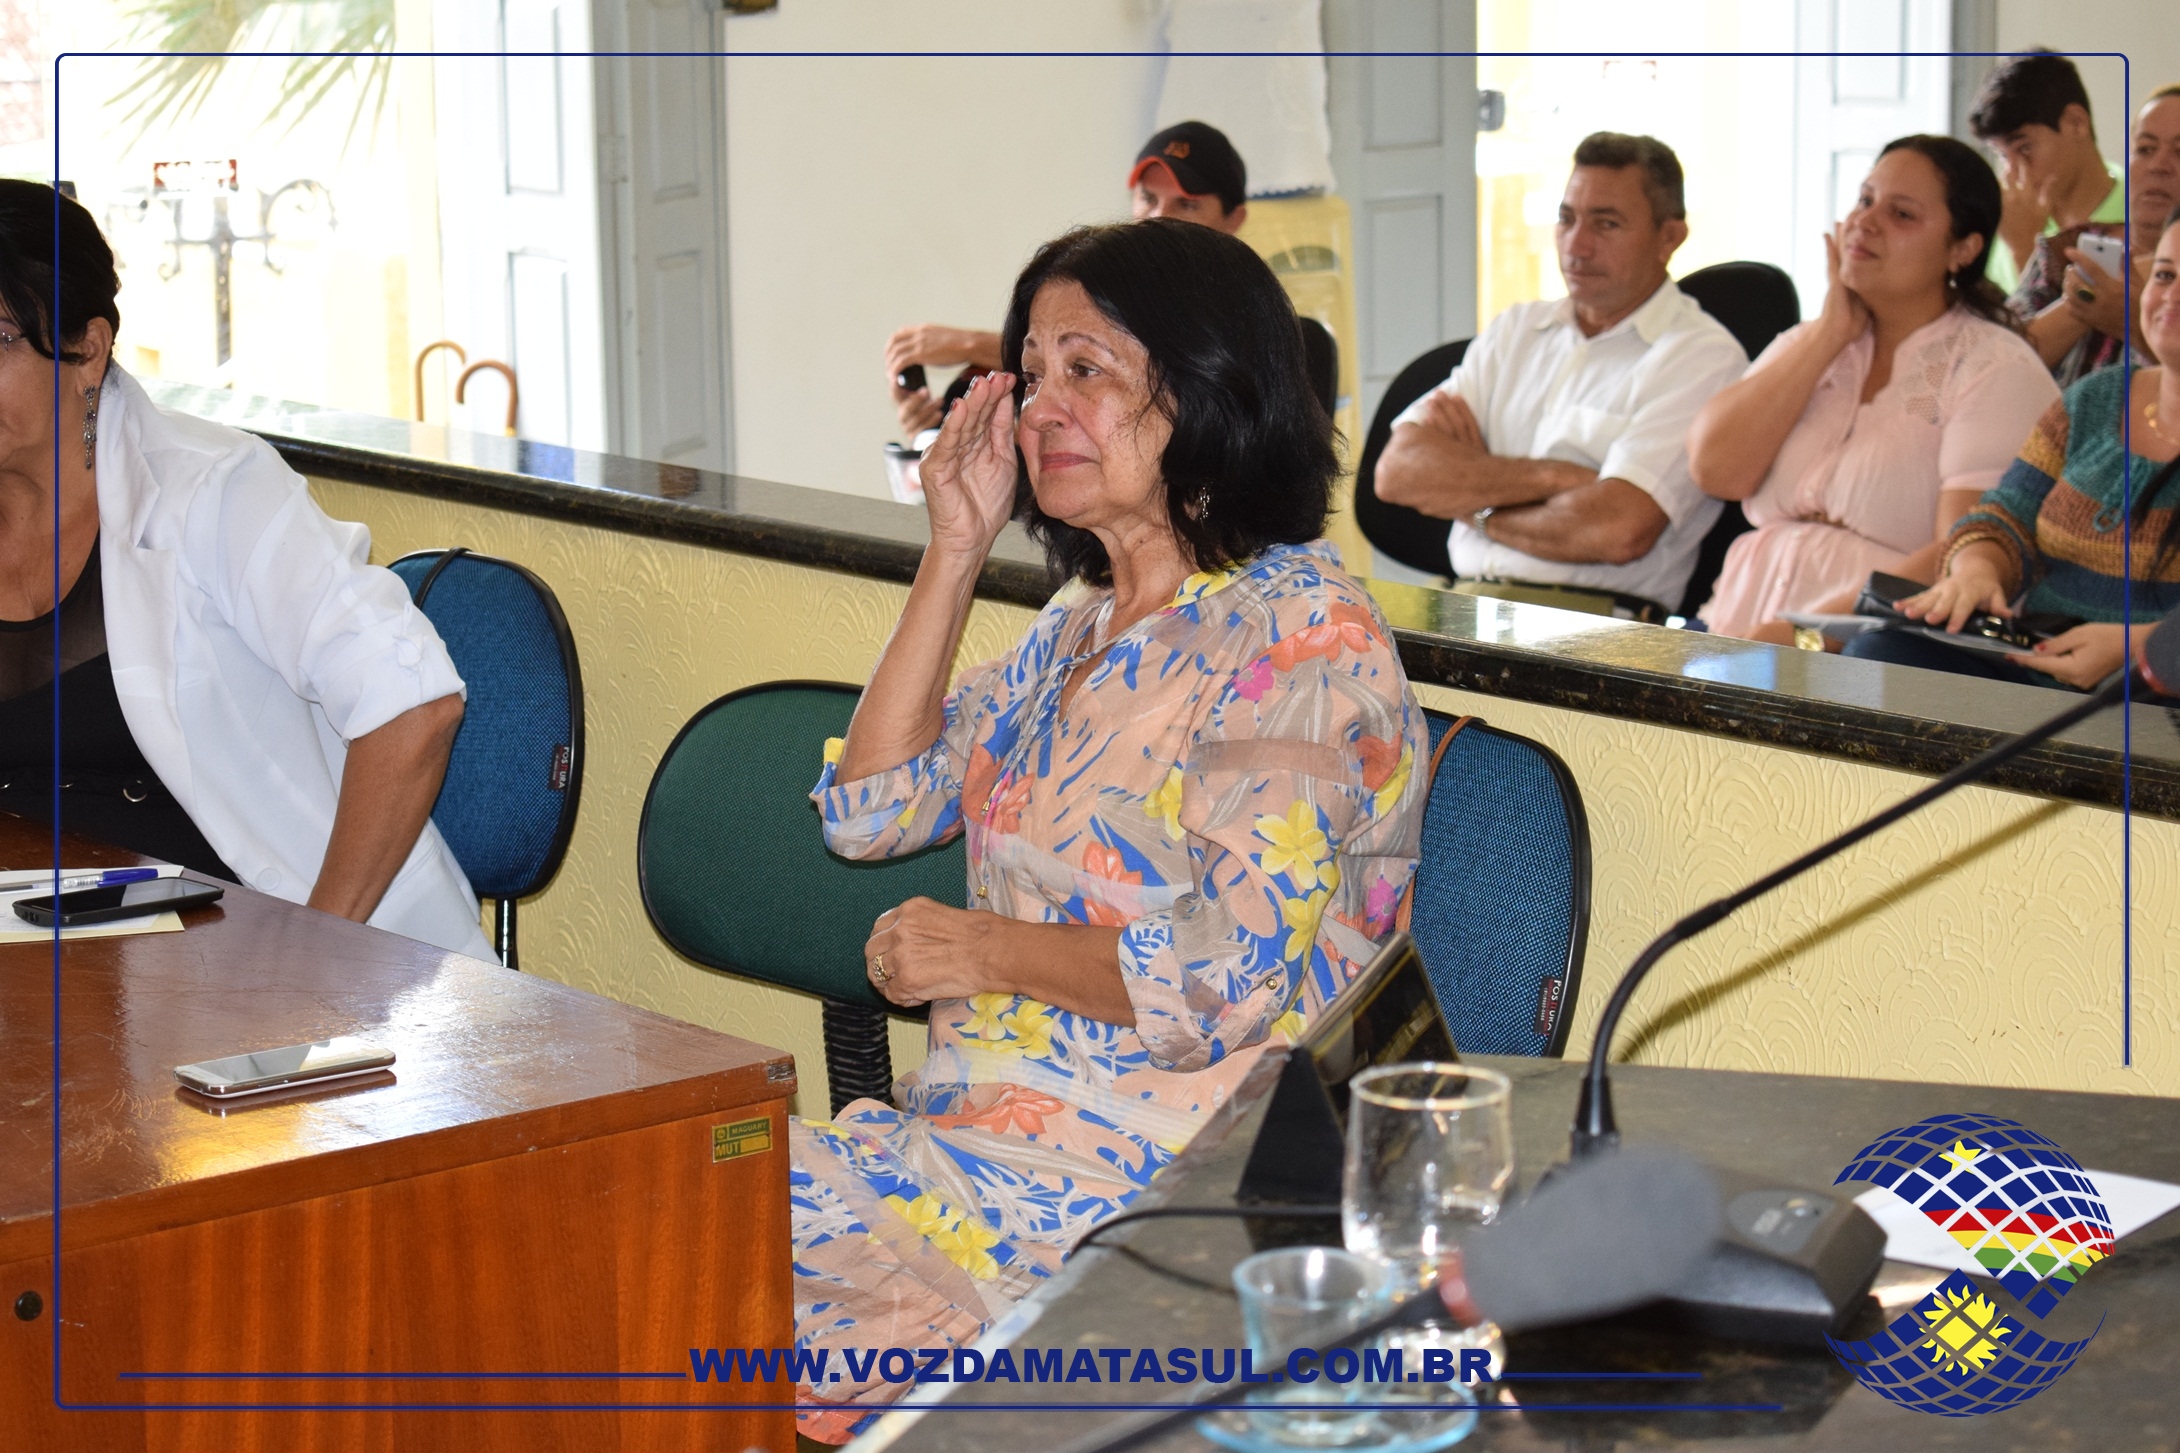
column 240, row 691
column 1859, row 437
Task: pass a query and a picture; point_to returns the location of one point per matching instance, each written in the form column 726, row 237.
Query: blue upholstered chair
column 1501, row 905
column 508, row 803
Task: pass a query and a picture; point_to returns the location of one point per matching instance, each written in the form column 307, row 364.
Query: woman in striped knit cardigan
column 2047, row 538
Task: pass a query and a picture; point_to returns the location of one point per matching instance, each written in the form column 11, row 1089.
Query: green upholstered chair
column 735, row 874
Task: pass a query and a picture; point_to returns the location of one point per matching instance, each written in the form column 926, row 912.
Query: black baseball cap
column 1201, row 159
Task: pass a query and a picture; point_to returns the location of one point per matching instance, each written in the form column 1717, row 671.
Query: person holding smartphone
column 1189, row 172
column 2071, row 303
column 241, row 693
column 2048, row 539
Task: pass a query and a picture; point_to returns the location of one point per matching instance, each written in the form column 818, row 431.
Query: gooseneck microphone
column 2161, row 656
column 1595, row 1239
column 1595, row 1129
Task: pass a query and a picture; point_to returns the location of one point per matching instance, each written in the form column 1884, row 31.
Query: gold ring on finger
column 878, row 967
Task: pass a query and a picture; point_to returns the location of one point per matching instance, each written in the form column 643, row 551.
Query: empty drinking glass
column 1430, row 1154
column 1308, row 1296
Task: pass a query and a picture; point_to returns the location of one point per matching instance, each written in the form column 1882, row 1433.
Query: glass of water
column 1430, row 1154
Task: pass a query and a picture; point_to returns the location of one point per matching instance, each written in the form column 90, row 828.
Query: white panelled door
column 669, row 210
column 519, row 214
column 1846, row 107
column 1404, row 150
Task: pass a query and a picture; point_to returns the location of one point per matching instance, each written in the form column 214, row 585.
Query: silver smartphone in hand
column 294, row 1064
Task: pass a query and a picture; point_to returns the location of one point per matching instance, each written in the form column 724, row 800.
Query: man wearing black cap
column 1189, row 171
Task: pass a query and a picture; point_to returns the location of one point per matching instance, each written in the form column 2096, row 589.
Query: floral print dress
column 1236, row 785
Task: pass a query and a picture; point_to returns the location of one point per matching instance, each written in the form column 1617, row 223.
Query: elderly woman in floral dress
column 1192, row 794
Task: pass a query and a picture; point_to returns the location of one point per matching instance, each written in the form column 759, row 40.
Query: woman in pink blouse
column 1859, row 437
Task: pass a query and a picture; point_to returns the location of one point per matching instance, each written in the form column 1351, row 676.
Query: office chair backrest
column 508, row 804
column 732, row 860
column 1500, row 910
column 1757, row 302
column 1409, row 536
column 1321, row 359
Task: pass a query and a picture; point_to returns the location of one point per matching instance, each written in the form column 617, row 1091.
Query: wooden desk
column 531, row 1189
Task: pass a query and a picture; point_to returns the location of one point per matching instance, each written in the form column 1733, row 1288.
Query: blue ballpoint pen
column 112, row 877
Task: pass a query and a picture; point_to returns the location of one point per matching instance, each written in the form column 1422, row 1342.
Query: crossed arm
column 1440, row 466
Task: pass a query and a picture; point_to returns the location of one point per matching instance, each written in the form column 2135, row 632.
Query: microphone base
column 1792, row 1267
column 1585, row 1143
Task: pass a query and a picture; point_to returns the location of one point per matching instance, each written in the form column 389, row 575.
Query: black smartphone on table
column 122, row 900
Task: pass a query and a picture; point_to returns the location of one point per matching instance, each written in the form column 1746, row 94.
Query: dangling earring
column 1203, row 502
column 90, row 427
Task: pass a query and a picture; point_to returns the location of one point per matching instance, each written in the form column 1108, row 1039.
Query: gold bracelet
column 1960, row 543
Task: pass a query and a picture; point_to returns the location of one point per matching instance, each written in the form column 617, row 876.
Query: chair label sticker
column 1549, row 996
column 740, row 1138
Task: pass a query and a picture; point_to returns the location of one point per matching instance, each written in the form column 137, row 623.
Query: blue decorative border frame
column 2126, row 724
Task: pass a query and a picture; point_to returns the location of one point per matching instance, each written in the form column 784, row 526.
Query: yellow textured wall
column 663, row 628
column 1978, row 943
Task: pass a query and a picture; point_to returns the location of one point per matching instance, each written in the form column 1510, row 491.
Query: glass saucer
column 1432, row 1415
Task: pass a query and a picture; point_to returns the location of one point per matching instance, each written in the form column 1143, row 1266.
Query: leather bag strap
column 431, row 576
column 1438, row 754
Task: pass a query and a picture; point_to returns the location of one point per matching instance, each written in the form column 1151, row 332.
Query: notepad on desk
column 2132, row 1202
column 16, row 883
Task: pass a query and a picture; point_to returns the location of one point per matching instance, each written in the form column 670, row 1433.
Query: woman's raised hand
column 969, row 470
column 2109, row 305
column 1844, row 315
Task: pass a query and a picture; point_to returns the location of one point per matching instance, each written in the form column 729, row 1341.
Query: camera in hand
column 910, row 379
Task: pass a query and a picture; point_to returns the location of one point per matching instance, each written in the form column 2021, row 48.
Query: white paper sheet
column 1271, row 106
column 1912, row 1237
column 32, row 882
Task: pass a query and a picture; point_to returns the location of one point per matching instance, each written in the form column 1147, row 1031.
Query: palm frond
column 351, row 43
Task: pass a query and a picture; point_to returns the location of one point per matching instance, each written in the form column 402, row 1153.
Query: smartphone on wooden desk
column 118, row 901
column 294, row 1064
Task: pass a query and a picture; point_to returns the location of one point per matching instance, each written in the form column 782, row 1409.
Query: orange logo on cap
column 1178, row 150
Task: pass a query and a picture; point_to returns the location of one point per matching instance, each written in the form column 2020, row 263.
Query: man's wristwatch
column 1477, row 520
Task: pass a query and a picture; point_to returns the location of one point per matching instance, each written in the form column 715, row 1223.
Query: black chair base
column 858, row 1061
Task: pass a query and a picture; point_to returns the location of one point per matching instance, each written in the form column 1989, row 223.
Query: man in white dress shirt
column 1558, row 446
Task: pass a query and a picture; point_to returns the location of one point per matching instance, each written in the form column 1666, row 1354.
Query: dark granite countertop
column 1887, row 716
column 1165, row 1284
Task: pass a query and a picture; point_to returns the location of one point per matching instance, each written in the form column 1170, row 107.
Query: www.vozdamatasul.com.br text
column 1081, row 1364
